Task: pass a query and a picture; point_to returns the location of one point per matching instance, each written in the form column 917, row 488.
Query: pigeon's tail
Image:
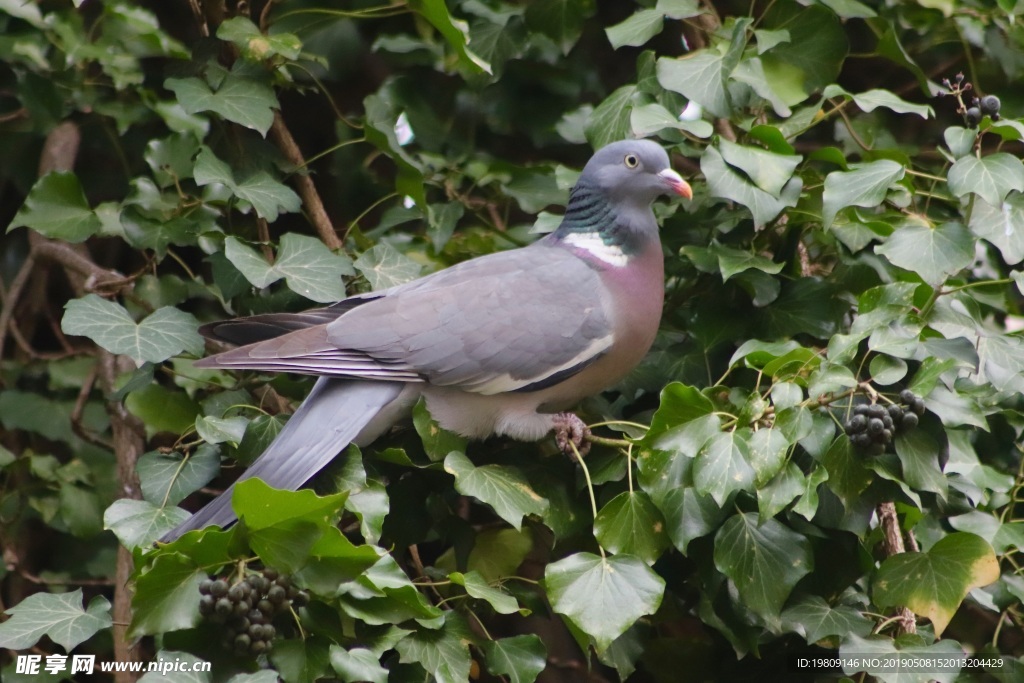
column 334, row 414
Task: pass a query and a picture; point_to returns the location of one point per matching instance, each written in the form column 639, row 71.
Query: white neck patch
column 592, row 243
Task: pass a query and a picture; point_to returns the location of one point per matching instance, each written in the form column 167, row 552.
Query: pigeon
column 501, row 344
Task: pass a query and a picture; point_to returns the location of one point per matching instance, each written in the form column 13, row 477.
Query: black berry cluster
column 988, row 105
column 247, row 607
column 872, row 427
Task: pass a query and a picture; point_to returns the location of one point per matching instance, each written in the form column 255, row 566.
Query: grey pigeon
column 496, row 345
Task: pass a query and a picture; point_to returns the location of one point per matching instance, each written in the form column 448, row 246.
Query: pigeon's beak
column 676, row 184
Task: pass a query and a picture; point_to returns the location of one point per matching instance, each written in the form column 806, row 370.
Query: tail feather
column 330, row 418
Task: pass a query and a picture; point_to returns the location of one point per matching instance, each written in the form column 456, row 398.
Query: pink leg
column 570, row 428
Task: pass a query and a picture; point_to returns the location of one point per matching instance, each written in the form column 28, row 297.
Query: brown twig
column 892, row 544
column 307, row 190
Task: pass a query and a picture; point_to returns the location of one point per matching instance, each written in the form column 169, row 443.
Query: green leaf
column 637, row 29
column 723, row 466
column 610, row 121
column 764, row 561
column 872, row 99
column 866, row 185
column 847, row 476
column 725, row 182
column 308, row 266
column 454, row 31
column 216, row 430
column 1002, row 225
column 56, row 207
column 57, row 615
column 383, row 110
column 521, row 658
column 437, row 441
column 877, row 655
column 768, row 450
column 769, row 171
column 166, row 478
column 782, row 490
column 166, row 596
column 301, row 660
column 647, row 119
column 812, row 57
column 477, row 587
column 166, row 332
column 679, row 403
column 162, row 409
column 815, row 619
column 256, row 46
column 560, row 20
column 497, row 553
column 933, row 253
column 443, row 652
column 603, row 596
column 183, row 667
column 357, row 664
column 991, row 177
column 267, row 196
column 383, row 266
column 263, row 507
column 138, row 523
column 241, row 97
column 933, row 584
column 700, row 77
column 630, row 523
column 503, row 488
column 368, row 499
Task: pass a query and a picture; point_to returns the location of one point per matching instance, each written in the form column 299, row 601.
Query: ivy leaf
column 256, row 46
column 725, row 182
column 497, row 553
column 308, row 266
column 872, row 99
column 764, row 561
column 768, row 448
column 521, row 658
column 443, row 652
column 383, row 266
column 139, row 523
column 603, row 596
column 991, row 177
column 56, row 207
column 190, row 669
column 812, row 57
column 933, row 253
column 166, row 478
column 932, row 584
column 368, row 499
column 267, row 196
column 630, row 523
column 769, row 171
column 241, row 98
column 875, row 655
column 637, row 29
column 560, row 20
column 57, row 615
column 477, row 587
column 723, row 466
column 454, row 31
column 357, row 664
column 166, row 332
column 815, row 619
column 866, row 185
column 1002, row 224
column 610, row 121
column 503, row 488
column 302, row 660
column 167, row 596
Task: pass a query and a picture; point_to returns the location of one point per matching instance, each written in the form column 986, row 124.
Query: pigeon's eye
column 631, row 161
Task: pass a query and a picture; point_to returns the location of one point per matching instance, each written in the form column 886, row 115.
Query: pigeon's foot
column 571, row 431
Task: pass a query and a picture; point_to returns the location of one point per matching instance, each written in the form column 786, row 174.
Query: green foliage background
column 164, row 164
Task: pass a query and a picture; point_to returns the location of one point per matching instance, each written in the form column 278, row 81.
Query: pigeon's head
column 634, row 172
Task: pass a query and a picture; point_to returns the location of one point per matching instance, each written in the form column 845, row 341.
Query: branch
column 893, row 545
column 307, row 190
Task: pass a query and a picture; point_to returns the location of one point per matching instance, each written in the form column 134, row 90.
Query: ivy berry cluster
column 248, row 606
column 988, row 105
column 872, row 427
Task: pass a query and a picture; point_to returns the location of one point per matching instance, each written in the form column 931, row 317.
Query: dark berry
column 257, row 617
column 887, row 421
column 239, row 624
column 909, row 421
column 224, row 607
column 973, row 117
column 857, row 423
column 205, row 585
column 243, row 641
column 256, row 631
column 860, row 409
column 876, row 410
column 875, row 426
column 257, row 583
column 886, row 436
column 990, row 105
column 861, row 440
column 219, row 588
column 259, row 647
column 292, row 592
column 266, row 607
column 907, row 396
column 206, row 604
column 895, row 412
column 242, row 608
column 270, row 574
column 301, row 599
column 237, row 593
column 918, row 406
column 277, row 594
column 269, row 632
